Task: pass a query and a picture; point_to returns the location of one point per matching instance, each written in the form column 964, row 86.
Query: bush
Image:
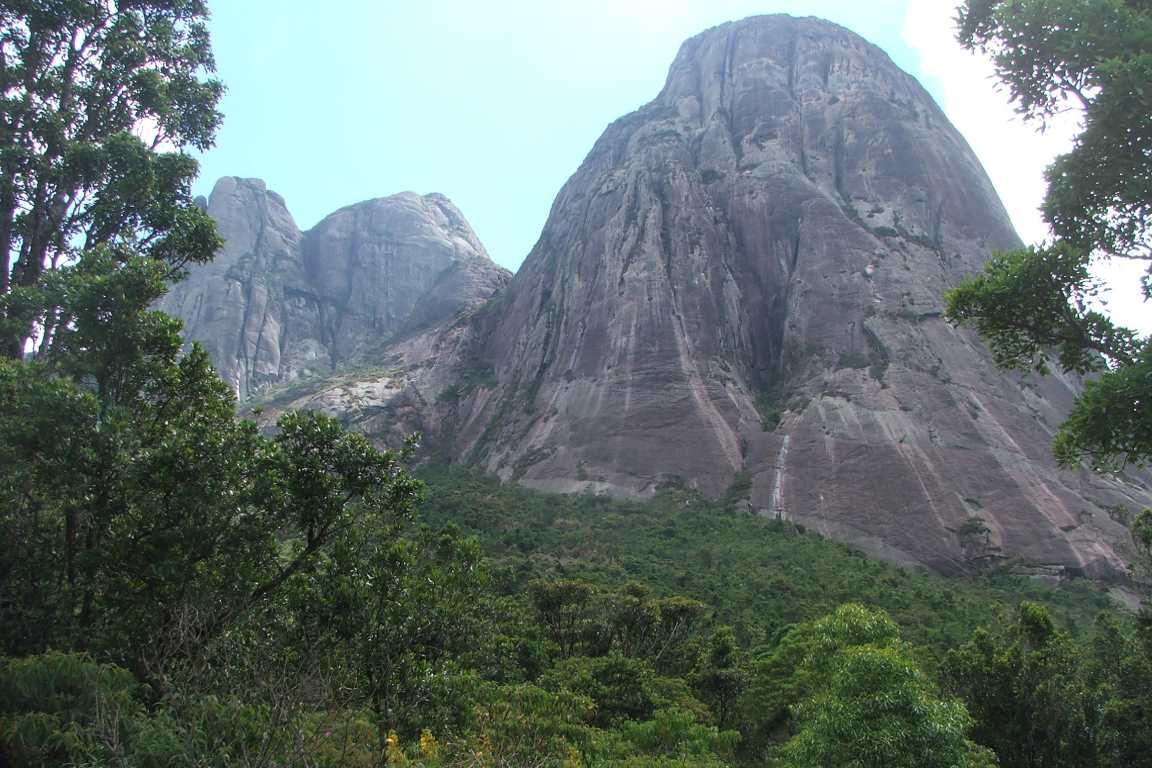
column 62, row 708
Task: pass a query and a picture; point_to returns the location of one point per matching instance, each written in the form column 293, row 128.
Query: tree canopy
column 181, row 587
column 97, row 102
column 1036, row 304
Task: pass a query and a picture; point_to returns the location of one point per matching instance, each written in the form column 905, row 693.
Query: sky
column 496, row 103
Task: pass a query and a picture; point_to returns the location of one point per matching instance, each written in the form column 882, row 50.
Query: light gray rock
column 277, row 305
column 380, row 262
column 251, row 307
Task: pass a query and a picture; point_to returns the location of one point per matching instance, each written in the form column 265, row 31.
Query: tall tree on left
column 99, row 99
column 142, row 522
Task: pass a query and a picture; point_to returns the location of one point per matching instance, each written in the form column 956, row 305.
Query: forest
column 180, row 586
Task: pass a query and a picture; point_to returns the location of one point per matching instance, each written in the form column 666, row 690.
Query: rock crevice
column 744, row 278
column 773, row 235
column 277, row 305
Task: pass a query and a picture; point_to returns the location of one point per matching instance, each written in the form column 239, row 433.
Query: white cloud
column 1014, row 153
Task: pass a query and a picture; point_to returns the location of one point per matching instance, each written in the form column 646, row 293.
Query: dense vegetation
column 89, row 92
column 574, row 630
column 759, row 575
column 180, row 588
column 1035, row 306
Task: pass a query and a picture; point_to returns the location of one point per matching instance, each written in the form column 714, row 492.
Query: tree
column 779, row 679
column 1025, row 689
column 676, row 735
column 878, row 709
column 1119, row 670
column 867, row 703
column 720, row 678
column 398, row 607
column 622, row 688
column 564, row 608
column 90, row 92
column 1097, row 56
column 142, row 519
column 526, row 725
column 66, row 709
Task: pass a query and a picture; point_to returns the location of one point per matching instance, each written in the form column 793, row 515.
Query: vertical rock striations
column 740, row 288
column 744, row 279
column 277, row 305
column 394, row 264
column 239, row 306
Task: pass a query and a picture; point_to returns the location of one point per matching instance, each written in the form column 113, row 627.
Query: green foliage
column 856, row 360
column 1043, row 698
column 89, row 93
column 396, row 613
column 740, row 489
column 229, row 597
column 877, row 709
column 525, row 724
column 1118, row 669
column 563, row 609
column 1023, row 685
column 1111, row 424
column 1033, row 303
column 620, row 687
column 876, row 359
column 710, row 176
column 721, row 676
column 263, row 593
column 878, row 356
column 774, row 402
column 392, row 630
column 1142, row 530
column 676, row 734
column 144, row 520
column 65, row 709
column 799, row 664
column 759, row 575
column 1098, row 54
column 1034, row 300
column 973, row 526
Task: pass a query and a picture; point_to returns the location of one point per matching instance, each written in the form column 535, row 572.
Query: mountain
column 739, row 291
column 742, row 286
column 278, row 305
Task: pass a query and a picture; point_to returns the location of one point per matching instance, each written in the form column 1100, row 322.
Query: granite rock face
column 742, row 284
column 739, row 291
column 278, row 305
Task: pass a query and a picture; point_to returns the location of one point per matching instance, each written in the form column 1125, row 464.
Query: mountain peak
column 799, row 53
column 739, row 291
column 277, row 304
column 742, row 286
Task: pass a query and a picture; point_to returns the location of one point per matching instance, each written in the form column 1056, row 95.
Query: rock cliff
column 741, row 288
column 739, row 291
column 278, row 305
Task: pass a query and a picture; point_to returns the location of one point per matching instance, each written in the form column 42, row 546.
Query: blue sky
column 496, row 103
column 493, row 103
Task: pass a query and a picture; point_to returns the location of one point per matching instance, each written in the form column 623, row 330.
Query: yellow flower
column 573, row 759
column 392, row 751
column 429, row 748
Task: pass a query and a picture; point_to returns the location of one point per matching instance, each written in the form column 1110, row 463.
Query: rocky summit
column 739, row 291
column 278, row 305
